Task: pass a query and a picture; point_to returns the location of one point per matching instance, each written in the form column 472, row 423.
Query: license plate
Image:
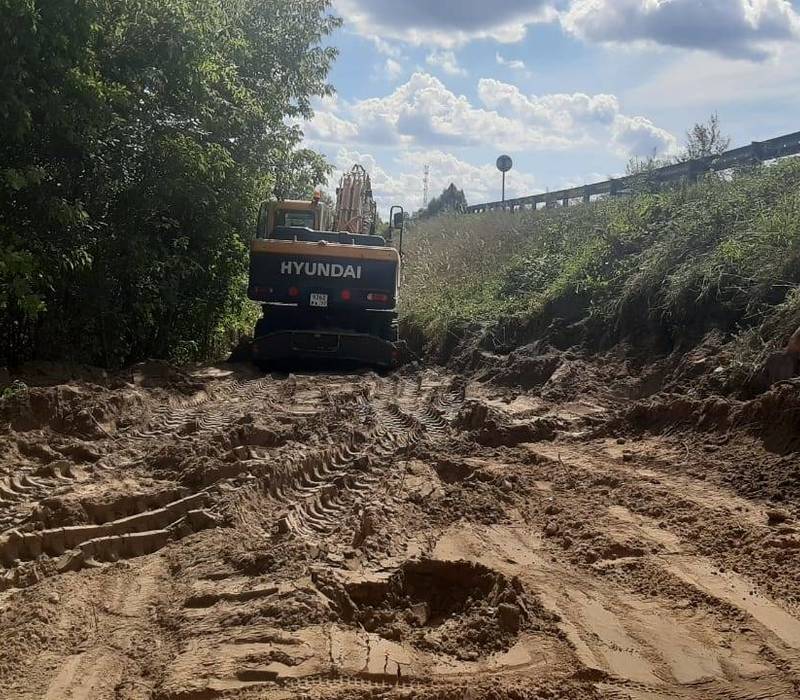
column 319, row 300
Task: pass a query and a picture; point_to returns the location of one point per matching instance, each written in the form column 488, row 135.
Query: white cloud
column 710, row 82
column 393, row 69
column 423, row 122
column 446, row 60
column 326, row 127
column 445, row 23
column 513, row 64
column 735, row 28
column 559, row 112
column 328, row 103
column 638, row 136
column 423, row 112
column 386, row 48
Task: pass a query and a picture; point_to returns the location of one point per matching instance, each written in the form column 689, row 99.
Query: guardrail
column 756, row 152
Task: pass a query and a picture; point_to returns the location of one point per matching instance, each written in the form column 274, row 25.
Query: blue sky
column 571, row 89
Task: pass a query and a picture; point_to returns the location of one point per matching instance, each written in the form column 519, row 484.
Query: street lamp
column 504, row 164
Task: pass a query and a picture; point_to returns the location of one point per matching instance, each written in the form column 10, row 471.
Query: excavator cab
column 312, row 216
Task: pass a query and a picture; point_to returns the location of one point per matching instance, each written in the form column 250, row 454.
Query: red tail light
column 347, row 295
column 294, row 292
column 377, row 297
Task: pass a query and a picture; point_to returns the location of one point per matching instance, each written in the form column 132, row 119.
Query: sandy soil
column 220, row 534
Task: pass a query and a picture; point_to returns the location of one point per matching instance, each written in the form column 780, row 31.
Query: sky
column 570, row 89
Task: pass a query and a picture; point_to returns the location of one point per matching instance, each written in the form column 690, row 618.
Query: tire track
column 207, row 412
column 75, row 547
column 59, row 549
column 183, row 420
column 315, row 488
column 324, row 487
column 21, row 492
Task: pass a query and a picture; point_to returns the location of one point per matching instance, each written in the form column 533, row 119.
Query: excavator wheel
column 263, row 327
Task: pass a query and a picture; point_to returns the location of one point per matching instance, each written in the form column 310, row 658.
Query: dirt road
column 185, row 536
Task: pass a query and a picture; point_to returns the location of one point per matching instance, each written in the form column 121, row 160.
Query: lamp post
column 504, row 164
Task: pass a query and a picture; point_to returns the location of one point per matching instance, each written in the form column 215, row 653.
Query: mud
column 549, row 525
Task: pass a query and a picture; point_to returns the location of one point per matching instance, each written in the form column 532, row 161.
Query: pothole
column 461, row 609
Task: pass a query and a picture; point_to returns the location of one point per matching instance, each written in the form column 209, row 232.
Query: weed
column 13, row 390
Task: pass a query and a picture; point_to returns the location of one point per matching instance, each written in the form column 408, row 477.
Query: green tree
column 451, row 200
column 136, row 139
column 705, row 139
column 303, row 173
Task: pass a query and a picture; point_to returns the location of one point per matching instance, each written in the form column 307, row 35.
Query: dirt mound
column 675, row 412
column 461, row 609
column 256, row 432
column 491, row 427
column 175, row 461
column 85, row 411
column 774, row 416
column 527, row 368
column 465, row 489
column 157, row 374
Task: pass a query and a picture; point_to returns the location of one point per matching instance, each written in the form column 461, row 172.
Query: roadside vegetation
column 657, row 268
column 136, row 140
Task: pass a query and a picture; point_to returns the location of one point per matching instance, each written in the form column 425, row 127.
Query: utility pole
column 426, row 183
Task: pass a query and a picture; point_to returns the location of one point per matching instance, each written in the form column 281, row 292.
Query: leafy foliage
column 136, row 138
column 16, row 388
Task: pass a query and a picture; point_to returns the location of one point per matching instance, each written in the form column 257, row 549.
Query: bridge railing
column 756, row 152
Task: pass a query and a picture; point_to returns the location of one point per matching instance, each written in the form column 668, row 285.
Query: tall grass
column 723, row 253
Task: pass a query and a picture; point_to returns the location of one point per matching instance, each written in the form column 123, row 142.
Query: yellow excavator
column 326, row 282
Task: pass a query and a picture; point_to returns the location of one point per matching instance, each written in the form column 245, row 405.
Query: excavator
column 326, row 282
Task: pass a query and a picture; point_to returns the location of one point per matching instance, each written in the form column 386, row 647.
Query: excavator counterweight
column 327, row 284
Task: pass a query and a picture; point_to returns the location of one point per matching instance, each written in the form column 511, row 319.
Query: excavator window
column 271, row 217
column 295, row 219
